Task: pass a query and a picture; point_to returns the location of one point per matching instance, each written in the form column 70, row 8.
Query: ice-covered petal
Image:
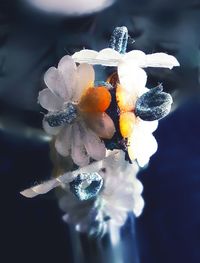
column 67, row 67
column 94, row 146
column 108, row 53
column 85, row 56
column 142, row 147
column 49, row 100
column 131, row 77
column 85, row 79
column 118, row 217
column 50, row 130
column 161, row 60
column 138, row 187
column 105, row 57
column 54, row 80
column 138, row 206
column 63, row 140
column 78, row 151
column 137, row 56
column 147, row 126
column 101, row 124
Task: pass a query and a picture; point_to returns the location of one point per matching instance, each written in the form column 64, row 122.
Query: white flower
column 132, row 78
column 71, row 84
column 141, row 143
column 120, row 195
column 122, row 190
column 110, row 57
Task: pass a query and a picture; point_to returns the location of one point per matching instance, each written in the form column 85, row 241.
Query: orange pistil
column 124, row 100
column 126, row 104
column 126, row 122
column 96, row 99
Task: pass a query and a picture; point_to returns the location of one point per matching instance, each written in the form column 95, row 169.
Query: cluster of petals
column 132, row 79
column 141, row 142
column 81, row 139
column 120, row 195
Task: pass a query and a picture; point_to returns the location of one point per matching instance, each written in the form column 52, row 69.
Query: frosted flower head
column 138, row 113
column 76, row 111
column 79, row 116
column 120, row 195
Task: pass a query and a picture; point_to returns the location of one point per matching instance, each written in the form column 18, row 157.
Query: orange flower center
column 127, row 122
column 96, row 99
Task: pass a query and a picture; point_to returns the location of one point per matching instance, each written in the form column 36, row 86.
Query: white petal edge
column 49, row 100
column 50, row 130
column 161, row 60
column 85, row 56
column 78, row 151
column 94, row 146
column 63, row 141
column 54, row 80
column 68, row 69
column 85, row 78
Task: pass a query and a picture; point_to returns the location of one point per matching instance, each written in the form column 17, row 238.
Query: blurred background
column 34, row 35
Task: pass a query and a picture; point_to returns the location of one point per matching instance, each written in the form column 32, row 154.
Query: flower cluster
column 76, row 111
column 87, row 120
column 120, row 195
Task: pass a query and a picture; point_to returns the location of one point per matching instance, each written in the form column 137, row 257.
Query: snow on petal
column 49, row 100
column 85, row 56
column 161, row 60
column 94, row 146
column 78, row 151
column 85, row 79
column 67, row 67
column 54, row 80
column 63, row 141
column 132, row 78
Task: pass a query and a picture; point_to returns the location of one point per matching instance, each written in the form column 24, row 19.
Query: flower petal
column 127, row 122
column 137, row 56
column 85, row 79
column 125, row 101
column 54, row 80
column 68, row 69
column 101, row 124
column 50, row 130
column 147, row 126
column 132, row 78
column 108, row 57
column 138, row 205
column 63, row 141
column 94, row 146
column 79, row 154
column 161, row 60
column 105, row 57
column 142, row 147
column 85, row 56
column 49, row 100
